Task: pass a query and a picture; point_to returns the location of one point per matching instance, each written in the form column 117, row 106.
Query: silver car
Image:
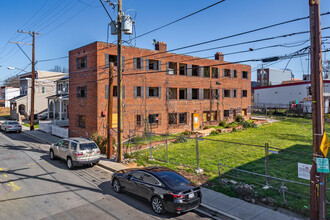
column 76, row 151
column 8, row 126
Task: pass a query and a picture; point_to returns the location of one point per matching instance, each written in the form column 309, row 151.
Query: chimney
column 161, row 46
column 218, row 56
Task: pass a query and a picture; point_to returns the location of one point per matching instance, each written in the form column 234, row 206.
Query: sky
column 68, row 24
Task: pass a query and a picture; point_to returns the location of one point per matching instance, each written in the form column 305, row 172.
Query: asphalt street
column 34, row 187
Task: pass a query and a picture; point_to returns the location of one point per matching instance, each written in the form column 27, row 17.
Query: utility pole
column 317, row 180
column 110, row 108
column 33, row 34
column 119, row 84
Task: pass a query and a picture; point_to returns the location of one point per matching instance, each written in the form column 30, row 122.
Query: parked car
column 76, row 151
column 8, row 126
column 165, row 189
column 35, row 117
column 44, row 116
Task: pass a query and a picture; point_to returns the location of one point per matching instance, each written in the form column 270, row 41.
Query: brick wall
column 95, row 76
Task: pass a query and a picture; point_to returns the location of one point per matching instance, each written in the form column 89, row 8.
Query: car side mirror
column 53, row 145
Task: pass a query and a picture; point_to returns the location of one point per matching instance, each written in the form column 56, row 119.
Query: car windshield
column 88, row 146
column 13, row 123
column 172, row 179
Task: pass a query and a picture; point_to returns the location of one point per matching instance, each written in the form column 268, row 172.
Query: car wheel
column 69, row 163
column 51, row 155
column 157, row 205
column 116, row 186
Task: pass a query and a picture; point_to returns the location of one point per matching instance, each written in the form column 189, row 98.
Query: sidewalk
column 40, row 135
column 215, row 204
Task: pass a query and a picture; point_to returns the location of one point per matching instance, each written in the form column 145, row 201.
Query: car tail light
column 98, row 151
column 177, row 196
column 19, row 126
column 9, row 126
column 78, row 154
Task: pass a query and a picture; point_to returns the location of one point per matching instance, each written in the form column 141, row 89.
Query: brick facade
column 88, row 114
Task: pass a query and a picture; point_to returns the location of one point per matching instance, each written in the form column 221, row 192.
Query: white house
column 8, row 93
column 280, row 95
column 270, row 76
column 44, row 86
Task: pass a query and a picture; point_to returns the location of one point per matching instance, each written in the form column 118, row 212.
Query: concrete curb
column 106, row 167
column 215, row 213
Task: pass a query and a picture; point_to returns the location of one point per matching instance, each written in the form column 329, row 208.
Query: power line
column 106, row 11
column 180, row 19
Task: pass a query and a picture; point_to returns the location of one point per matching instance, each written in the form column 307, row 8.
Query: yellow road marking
column 31, row 164
column 14, row 186
column 0, row 169
column 5, row 175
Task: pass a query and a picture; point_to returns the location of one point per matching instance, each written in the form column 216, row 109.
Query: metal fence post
column 166, row 148
column 150, row 148
column 283, row 191
column 219, row 172
column 267, row 163
column 198, row 170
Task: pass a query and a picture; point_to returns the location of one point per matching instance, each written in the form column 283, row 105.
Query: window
column 234, row 93
column 81, row 91
column 226, row 73
column 153, row 119
column 244, row 93
column 43, row 89
column 226, row 93
column 172, row 93
column 81, row 121
column 183, row 118
column 172, row 118
column 138, row 91
column 147, row 178
column 245, row 74
column 81, row 62
column 195, row 70
column 138, row 63
column 215, row 94
column 153, row 91
column 215, row 72
column 206, row 94
column 183, row 69
column 153, row 65
column 74, row 145
column 235, row 73
column 115, row 91
column 138, row 120
column 309, row 90
column 137, row 175
column 182, row 94
column 172, row 68
column 210, row 116
column 226, row 113
column 195, row 94
column 206, row 71
column 65, row 144
column 110, row 59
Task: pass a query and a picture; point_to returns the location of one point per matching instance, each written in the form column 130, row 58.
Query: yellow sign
column 324, row 145
column 114, row 120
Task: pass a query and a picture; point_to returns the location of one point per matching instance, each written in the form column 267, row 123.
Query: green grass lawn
column 36, row 125
column 293, row 136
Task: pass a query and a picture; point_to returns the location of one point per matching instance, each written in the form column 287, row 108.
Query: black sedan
column 164, row 188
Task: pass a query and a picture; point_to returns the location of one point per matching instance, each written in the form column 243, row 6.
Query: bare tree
column 12, row 81
column 59, row 69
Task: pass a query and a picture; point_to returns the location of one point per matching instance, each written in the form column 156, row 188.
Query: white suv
column 76, row 151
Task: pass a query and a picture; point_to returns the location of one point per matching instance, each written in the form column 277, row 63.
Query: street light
column 15, row 68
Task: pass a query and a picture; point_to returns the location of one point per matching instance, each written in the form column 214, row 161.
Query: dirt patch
column 199, row 179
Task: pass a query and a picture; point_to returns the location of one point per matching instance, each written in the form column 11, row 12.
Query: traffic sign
column 304, row 171
column 322, row 165
column 324, row 145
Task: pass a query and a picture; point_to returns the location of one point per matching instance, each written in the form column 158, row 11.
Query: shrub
column 216, row 132
column 222, row 123
column 186, row 132
column 254, row 125
column 233, row 124
column 101, row 142
column 181, row 139
column 234, row 129
column 239, row 119
column 207, row 127
column 246, row 124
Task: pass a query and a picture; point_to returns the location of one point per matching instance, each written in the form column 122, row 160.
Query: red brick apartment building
column 162, row 92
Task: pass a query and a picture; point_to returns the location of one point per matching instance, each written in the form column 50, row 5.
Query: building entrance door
column 195, row 121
